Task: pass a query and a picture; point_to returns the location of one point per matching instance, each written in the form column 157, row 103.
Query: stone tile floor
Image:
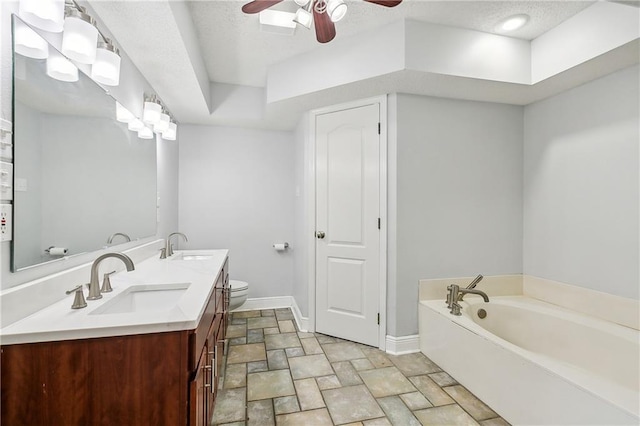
column 275, row 375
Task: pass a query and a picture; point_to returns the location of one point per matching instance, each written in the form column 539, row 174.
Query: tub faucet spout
column 456, row 294
column 464, row 291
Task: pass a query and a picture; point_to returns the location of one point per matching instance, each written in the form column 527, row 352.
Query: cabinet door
column 198, row 394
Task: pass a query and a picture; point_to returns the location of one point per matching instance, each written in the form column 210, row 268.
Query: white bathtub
column 536, row 363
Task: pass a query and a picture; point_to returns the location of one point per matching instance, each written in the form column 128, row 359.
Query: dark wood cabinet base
column 146, row 379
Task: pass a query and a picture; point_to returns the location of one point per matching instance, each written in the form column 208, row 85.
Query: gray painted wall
column 458, row 196
column 581, row 186
column 237, row 192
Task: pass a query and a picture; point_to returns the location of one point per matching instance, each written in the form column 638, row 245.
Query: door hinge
column 378, row 318
column 378, row 128
column 378, row 223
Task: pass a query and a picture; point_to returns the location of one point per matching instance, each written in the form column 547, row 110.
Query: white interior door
column 347, row 224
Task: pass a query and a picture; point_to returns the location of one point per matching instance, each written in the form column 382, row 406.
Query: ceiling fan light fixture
column 512, row 23
column 276, row 21
column 336, row 9
column 302, row 3
column 303, row 17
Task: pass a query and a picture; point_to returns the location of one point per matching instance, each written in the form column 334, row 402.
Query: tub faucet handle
column 475, row 281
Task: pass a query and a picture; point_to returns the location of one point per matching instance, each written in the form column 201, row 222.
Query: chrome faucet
column 168, row 250
column 456, row 294
column 94, row 284
column 113, row 236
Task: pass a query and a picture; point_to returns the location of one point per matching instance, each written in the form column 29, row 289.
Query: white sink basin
column 191, row 256
column 144, row 298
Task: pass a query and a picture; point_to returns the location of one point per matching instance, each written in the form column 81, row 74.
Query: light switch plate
column 6, row 222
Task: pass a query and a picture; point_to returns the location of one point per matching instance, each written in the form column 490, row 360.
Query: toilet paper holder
column 56, row 251
column 281, row 246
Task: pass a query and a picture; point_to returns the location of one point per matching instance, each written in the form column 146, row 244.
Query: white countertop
column 59, row 322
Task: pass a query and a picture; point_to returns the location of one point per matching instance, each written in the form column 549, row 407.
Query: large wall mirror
column 80, row 176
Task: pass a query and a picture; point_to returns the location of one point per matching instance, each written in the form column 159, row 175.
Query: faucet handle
column 163, row 253
column 106, row 283
column 78, row 300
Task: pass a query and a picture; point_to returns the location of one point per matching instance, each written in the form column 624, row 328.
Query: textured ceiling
column 235, row 51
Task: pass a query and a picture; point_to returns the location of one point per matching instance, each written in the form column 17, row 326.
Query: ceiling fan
column 323, row 13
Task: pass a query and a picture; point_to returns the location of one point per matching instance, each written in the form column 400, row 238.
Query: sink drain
column 482, row 313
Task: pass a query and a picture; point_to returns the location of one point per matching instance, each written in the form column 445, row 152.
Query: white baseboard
column 274, row 303
column 403, row 344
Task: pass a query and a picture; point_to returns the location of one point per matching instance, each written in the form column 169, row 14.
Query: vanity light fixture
column 162, row 125
column 135, row 125
column 171, row 133
column 145, row 133
column 123, row 115
column 47, row 15
column 512, row 23
column 61, row 68
column 106, row 68
column 80, row 36
column 152, row 110
column 28, row 43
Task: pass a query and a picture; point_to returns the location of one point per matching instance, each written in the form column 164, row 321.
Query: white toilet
column 238, row 294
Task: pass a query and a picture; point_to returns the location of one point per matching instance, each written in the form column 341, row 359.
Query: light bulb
column 151, row 112
column 47, row 15
column 106, row 68
column 123, row 115
column 80, row 37
column 145, row 133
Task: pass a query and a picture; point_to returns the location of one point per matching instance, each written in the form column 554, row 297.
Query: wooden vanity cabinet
column 146, row 379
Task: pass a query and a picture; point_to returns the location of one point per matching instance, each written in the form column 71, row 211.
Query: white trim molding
column 403, row 344
column 259, row 303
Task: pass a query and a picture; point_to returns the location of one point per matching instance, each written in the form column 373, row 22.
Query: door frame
column 310, row 228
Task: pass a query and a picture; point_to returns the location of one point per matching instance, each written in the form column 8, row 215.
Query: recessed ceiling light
column 512, row 23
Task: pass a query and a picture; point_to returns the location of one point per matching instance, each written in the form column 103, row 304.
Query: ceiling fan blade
column 386, row 3
column 257, row 6
column 325, row 29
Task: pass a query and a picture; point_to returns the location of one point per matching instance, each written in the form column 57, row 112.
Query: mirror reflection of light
column 28, row 43
column 61, row 68
column 512, row 23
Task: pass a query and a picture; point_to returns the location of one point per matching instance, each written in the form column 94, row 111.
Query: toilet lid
column 238, row 285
